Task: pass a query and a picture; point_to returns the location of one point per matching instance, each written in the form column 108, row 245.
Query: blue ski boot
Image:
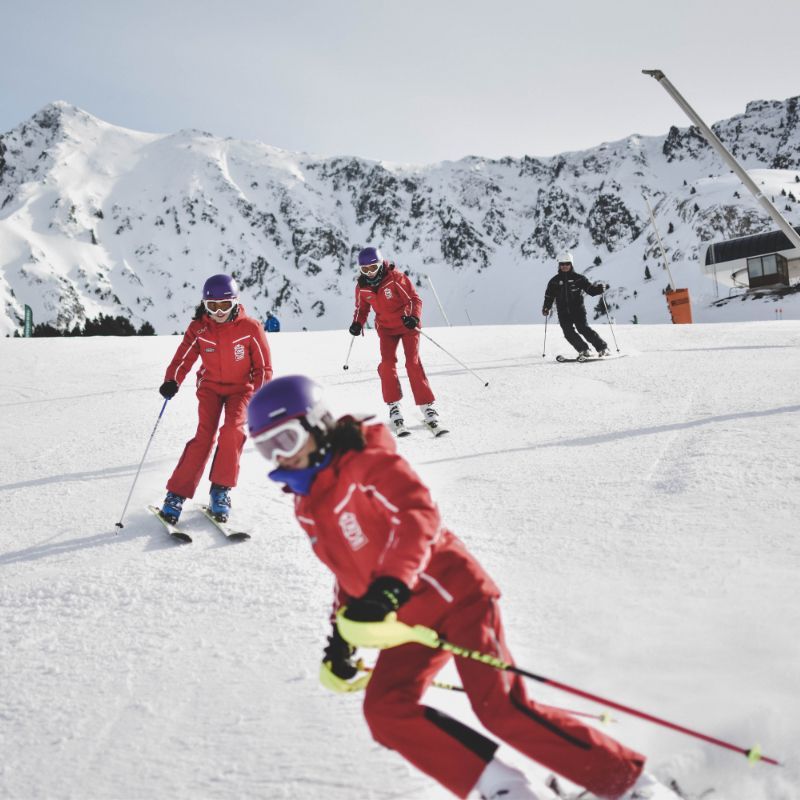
column 173, row 505
column 220, row 502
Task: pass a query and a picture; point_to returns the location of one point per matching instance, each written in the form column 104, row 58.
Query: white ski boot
column 499, row 781
column 396, row 421
column 430, row 417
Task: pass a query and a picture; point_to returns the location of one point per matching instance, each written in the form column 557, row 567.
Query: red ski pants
column 454, row 754
column 211, row 399
column 387, row 369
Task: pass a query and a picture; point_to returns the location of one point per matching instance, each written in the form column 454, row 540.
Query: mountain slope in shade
column 96, row 218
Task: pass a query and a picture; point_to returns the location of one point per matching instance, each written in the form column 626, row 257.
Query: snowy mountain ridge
column 97, row 218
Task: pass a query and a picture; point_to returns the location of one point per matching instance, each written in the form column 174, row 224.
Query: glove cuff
column 334, row 683
column 389, row 590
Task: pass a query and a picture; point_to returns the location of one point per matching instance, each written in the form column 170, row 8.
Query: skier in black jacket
column 566, row 288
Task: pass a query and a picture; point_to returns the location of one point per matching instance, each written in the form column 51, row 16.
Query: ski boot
column 584, row 355
column 430, row 417
column 603, row 352
column 396, row 421
column 499, row 781
column 220, row 506
column 173, row 505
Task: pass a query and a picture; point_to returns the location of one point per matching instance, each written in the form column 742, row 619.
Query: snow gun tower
column 675, row 300
column 678, row 303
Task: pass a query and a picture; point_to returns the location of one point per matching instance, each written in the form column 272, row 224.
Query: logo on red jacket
column 387, row 290
column 356, row 538
column 238, row 352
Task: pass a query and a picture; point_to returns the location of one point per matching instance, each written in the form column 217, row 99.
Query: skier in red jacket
column 398, row 313
column 372, row 522
column 236, row 362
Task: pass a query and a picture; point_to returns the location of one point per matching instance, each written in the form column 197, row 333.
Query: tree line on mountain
column 101, row 325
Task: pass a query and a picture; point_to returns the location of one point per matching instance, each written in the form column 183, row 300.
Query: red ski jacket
column 368, row 514
column 392, row 299
column 233, row 352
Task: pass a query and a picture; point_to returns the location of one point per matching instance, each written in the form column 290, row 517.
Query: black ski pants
column 574, row 326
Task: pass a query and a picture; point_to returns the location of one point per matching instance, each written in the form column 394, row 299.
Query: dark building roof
column 747, row 246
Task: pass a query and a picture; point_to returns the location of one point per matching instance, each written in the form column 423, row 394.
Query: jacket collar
column 299, row 481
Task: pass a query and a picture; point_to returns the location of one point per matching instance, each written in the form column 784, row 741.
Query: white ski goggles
column 286, row 440
column 370, row 270
column 219, row 305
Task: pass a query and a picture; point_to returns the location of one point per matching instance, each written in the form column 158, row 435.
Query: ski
column 223, row 527
column 435, row 428
column 566, row 360
column 177, row 534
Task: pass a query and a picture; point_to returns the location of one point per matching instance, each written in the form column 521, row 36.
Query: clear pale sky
column 402, row 80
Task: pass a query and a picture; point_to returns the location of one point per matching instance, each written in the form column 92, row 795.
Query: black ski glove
column 411, row 322
column 384, row 595
column 338, row 656
column 168, row 389
column 355, row 329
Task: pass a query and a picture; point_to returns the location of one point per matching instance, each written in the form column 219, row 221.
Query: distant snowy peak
column 98, row 218
column 766, row 135
column 59, row 132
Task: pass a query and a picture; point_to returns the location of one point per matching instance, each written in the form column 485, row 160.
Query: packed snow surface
column 640, row 515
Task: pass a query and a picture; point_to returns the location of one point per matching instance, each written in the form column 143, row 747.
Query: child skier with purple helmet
column 235, row 363
column 371, row 520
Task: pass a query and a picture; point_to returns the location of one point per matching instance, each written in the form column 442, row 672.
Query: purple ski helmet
column 220, row 287
column 285, row 398
column 369, row 255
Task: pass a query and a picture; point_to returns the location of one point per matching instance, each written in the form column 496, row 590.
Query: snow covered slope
column 639, row 514
column 96, row 218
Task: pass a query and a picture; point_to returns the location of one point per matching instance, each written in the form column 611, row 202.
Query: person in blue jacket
column 271, row 324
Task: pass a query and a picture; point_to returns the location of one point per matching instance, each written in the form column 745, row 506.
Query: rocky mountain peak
column 97, row 218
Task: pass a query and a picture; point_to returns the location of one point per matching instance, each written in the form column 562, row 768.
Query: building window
column 768, row 269
column 754, row 268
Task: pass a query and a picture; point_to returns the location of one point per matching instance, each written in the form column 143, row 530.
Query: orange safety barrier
column 680, row 307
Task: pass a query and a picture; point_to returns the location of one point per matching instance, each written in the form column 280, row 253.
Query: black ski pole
column 136, row 477
column 349, row 350
column 608, row 317
column 486, row 383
